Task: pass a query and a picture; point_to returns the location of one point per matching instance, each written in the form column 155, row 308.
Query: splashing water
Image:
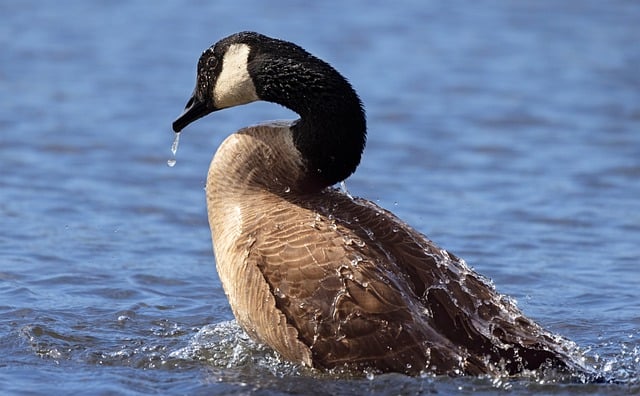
column 174, row 148
column 343, row 187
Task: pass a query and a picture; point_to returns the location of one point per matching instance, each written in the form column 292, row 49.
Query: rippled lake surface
column 508, row 132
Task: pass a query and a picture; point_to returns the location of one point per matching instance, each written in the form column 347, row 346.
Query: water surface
column 508, row 132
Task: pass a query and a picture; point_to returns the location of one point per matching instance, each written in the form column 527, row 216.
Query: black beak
column 195, row 108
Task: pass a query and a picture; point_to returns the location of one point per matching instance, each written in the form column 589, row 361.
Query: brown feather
column 327, row 280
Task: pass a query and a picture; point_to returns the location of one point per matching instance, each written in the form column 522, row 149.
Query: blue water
column 508, row 132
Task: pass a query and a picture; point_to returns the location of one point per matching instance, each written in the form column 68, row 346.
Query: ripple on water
column 47, row 342
column 227, row 355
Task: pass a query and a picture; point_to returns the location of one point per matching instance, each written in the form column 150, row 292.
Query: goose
column 325, row 279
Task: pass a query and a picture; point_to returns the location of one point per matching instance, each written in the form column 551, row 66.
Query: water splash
column 343, row 187
column 226, row 346
column 171, row 162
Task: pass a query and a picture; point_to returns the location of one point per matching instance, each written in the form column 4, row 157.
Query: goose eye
column 208, row 61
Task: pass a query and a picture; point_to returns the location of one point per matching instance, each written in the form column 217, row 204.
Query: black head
column 222, row 78
column 248, row 66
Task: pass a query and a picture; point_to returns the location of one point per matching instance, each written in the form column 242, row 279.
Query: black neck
column 331, row 141
column 331, row 131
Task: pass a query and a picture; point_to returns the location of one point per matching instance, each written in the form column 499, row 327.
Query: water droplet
column 369, row 234
column 356, row 260
column 370, row 376
column 174, row 146
column 279, row 293
column 287, row 189
column 174, row 149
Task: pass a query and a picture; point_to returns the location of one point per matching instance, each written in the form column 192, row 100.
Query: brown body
column 327, row 280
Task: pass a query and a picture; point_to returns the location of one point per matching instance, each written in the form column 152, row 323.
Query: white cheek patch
column 234, row 85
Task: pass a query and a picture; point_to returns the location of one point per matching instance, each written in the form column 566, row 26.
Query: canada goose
column 325, row 279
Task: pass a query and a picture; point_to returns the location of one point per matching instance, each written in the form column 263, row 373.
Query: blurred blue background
column 508, row 132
